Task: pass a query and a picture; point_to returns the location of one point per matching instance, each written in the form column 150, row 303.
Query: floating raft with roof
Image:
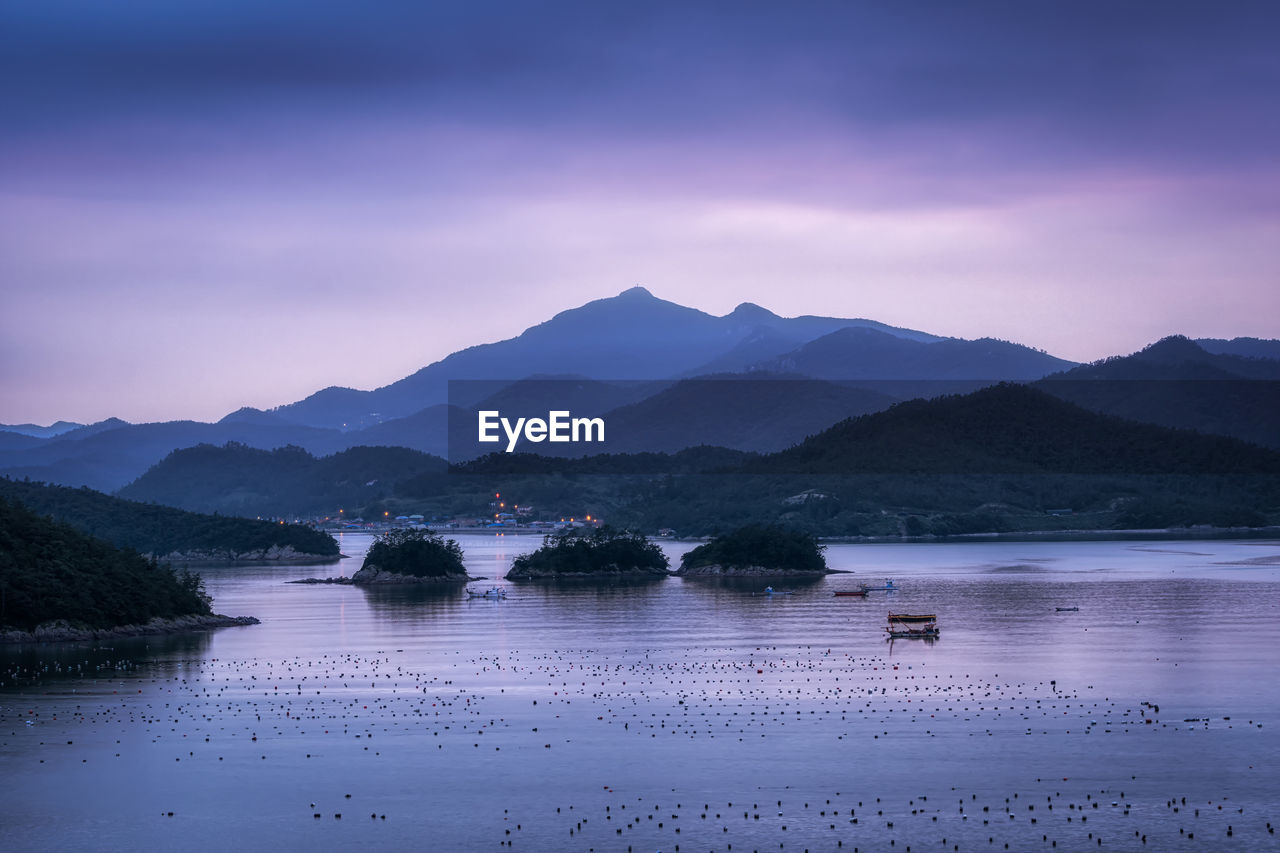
column 913, row 626
column 913, row 617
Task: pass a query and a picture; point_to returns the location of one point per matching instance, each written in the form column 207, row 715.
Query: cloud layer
column 206, row 205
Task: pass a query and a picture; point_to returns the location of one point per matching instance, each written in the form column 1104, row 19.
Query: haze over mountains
column 645, row 363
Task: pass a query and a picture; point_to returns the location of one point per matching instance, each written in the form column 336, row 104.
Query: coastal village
column 502, row 517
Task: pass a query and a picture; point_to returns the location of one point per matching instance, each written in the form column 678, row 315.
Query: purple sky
column 208, row 205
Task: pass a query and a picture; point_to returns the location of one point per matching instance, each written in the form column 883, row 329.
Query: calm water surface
column 677, row 714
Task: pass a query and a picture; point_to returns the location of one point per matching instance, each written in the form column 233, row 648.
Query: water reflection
column 126, row 657
column 755, row 585
column 396, row 601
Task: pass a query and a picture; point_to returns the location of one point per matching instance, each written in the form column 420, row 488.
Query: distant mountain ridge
column 37, row 431
column 1012, row 428
column 633, row 335
column 240, row 480
column 864, row 353
column 1009, row 454
column 1175, row 382
column 637, row 341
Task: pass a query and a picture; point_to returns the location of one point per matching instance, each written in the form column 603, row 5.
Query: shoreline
column 1081, row 535
column 1224, row 534
column 61, row 631
column 180, row 559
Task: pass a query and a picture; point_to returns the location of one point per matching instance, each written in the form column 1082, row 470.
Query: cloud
column 1081, row 176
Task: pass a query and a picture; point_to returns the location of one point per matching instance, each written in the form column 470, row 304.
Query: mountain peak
column 1174, row 349
column 751, row 312
column 636, row 292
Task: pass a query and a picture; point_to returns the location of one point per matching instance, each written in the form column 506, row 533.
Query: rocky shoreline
column 61, row 631
column 613, row 573
column 716, row 570
column 285, row 556
column 370, row 575
column 374, row 576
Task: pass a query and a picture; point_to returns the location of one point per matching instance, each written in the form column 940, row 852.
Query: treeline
column 418, row 553
column 1003, row 459
column 599, row 551
column 768, row 546
column 289, row 481
column 950, row 505
column 50, row 571
column 161, row 530
column 1012, row 429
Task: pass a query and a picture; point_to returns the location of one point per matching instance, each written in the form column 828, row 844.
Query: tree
column 416, row 552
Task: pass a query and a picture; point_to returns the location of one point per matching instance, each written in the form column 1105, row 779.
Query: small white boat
column 491, row 592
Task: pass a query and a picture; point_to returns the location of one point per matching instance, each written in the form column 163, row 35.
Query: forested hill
column 162, row 530
column 50, row 571
column 1012, row 429
column 288, row 481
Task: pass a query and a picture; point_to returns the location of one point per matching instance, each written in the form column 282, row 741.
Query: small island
column 756, row 551
column 57, row 583
column 412, row 556
column 602, row 553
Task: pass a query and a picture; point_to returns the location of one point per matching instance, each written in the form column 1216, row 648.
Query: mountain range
column 1005, row 457
column 666, row 376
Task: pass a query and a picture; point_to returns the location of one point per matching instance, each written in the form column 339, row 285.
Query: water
column 581, row 717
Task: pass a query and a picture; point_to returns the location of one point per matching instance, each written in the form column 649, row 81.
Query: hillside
column 167, row 532
column 1008, row 457
column 289, row 481
column 1012, row 429
column 108, row 458
column 51, row 571
column 1177, row 383
column 756, row 412
column 865, row 353
column 631, row 336
column 1248, row 347
column 618, row 350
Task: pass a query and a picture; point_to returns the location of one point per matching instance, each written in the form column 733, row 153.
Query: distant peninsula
column 756, row 551
column 174, row 535
column 56, row 583
column 602, row 553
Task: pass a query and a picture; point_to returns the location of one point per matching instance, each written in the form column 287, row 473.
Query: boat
column 491, row 592
column 913, row 617
column 860, row 592
column 913, row 626
column 888, row 587
column 1066, row 609
column 925, row 632
column 768, row 590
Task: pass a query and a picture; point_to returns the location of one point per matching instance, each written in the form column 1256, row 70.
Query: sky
column 206, row 205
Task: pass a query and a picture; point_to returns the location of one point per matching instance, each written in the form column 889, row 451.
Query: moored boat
column 913, row 626
column 902, row 632
column 913, row 617
column 860, row 592
column 491, row 592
